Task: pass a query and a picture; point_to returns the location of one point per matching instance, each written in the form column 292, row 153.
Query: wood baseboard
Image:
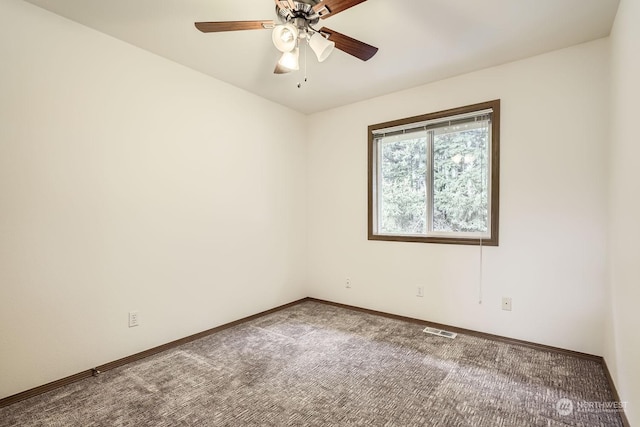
column 45, row 388
column 464, row 331
column 143, row 354
column 614, row 391
column 134, row 357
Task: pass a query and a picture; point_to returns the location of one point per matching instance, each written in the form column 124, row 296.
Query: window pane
column 460, row 171
column 402, row 192
column 434, row 178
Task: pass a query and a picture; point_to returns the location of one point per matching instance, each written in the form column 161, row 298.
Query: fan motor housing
column 301, row 16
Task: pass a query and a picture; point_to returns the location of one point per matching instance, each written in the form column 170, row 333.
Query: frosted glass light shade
column 280, row 69
column 289, row 60
column 321, row 46
column 285, row 37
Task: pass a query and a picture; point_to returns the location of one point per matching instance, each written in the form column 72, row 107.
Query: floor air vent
column 439, row 332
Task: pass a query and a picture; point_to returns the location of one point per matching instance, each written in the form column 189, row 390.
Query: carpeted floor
column 318, row 365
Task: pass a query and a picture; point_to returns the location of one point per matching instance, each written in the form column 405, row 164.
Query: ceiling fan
column 297, row 18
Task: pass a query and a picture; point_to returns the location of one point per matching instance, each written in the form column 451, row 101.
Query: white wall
column 623, row 350
column 551, row 258
column 130, row 182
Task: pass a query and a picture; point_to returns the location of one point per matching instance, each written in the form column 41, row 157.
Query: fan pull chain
column 305, row 65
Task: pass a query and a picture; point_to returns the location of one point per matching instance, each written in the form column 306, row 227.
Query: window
column 435, row 178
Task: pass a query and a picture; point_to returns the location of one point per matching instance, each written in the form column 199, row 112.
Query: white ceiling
column 420, row 41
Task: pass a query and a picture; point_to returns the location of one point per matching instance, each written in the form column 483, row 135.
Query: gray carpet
column 320, row 365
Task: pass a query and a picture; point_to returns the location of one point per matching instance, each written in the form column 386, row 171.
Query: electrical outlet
column 347, row 283
column 506, row 303
column 134, row 319
column 420, row 291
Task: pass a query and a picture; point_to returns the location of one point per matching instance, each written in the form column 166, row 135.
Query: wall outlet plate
column 506, row 303
column 134, row 319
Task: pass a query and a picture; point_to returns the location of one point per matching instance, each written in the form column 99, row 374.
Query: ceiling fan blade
column 349, row 45
column 215, row 27
column 327, row 8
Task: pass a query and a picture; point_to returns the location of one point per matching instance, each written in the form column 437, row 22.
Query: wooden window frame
column 494, row 105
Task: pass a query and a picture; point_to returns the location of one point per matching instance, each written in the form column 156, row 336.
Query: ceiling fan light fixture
column 280, row 69
column 321, row 46
column 289, row 60
column 285, row 37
